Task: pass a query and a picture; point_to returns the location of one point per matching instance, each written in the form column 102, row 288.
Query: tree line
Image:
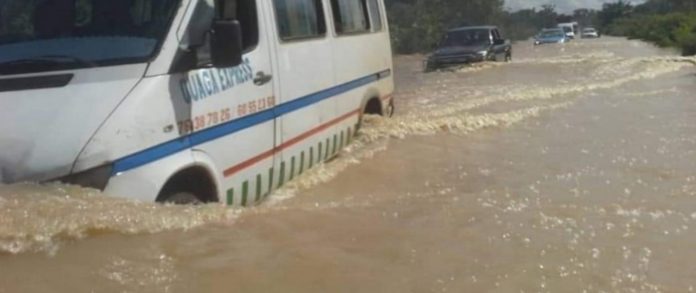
column 667, row 23
column 418, row 25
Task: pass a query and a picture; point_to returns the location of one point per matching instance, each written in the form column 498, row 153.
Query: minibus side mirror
column 499, row 42
column 226, row 43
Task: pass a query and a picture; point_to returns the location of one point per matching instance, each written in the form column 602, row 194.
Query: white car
column 590, row 33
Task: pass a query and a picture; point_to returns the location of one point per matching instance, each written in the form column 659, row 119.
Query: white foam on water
column 39, row 218
column 375, row 135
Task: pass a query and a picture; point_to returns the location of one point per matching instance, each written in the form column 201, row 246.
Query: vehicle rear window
column 299, row 19
column 350, row 16
column 467, row 37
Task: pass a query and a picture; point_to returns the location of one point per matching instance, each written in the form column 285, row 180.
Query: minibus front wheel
column 390, row 110
column 373, row 107
column 183, row 198
column 190, row 186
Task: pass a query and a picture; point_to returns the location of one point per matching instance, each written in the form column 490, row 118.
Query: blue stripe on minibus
column 183, row 143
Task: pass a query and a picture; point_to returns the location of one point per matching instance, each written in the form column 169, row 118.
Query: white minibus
column 186, row 101
column 571, row 29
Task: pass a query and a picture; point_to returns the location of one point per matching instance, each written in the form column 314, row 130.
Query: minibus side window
column 299, row 19
column 375, row 15
column 350, row 16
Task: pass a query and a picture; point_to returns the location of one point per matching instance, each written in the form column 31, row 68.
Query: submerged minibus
column 571, row 29
column 186, row 101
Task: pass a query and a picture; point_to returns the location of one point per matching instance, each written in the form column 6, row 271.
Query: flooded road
column 571, row 169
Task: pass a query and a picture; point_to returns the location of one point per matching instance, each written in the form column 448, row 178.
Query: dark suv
column 470, row 44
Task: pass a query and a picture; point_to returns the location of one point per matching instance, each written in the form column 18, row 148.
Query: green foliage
column 685, row 35
column 418, row 25
column 613, row 11
column 667, row 23
column 521, row 25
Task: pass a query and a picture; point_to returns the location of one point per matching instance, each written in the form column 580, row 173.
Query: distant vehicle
column 470, row 44
column 570, row 29
column 551, row 36
column 590, row 33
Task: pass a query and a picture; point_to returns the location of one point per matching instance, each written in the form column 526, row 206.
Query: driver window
column 243, row 11
column 201, row 22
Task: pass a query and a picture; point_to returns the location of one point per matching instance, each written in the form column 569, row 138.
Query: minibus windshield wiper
column 43, row 62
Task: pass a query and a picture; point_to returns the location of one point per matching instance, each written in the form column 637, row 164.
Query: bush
column 686, row 36
column 668, row 30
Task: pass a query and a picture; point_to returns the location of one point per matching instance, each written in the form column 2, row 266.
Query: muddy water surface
column 571, row 169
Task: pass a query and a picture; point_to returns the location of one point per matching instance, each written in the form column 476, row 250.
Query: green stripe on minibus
column 245, row 192
column 311, row 157
column 258, row 188
column 281, row 177
column 319, row 150
column 230, row 197
column 335, row 140
column 270, row 180
column 326, row 155
column 342, row 139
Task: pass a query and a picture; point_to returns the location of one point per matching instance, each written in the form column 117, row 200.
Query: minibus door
column 304, row 78
column 234, row 112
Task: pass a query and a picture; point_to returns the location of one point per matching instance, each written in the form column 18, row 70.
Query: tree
column 585, row 17
column 666, row 23
column 614, row 11
column 417, row 25
column 547, row 16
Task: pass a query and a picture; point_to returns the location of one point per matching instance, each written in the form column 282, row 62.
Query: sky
column 561, row 5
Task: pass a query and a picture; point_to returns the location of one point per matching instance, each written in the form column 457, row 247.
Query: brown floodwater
column 571, row 169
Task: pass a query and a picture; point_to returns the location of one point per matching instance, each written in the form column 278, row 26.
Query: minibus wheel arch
column 373, row 106
column 194, row 181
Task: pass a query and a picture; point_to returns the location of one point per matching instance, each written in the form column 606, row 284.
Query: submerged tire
column 183, row 198
column 390, row 110
column 508, row 57
column 429, row 67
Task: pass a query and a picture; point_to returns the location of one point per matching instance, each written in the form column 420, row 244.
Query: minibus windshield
column 47, row 35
